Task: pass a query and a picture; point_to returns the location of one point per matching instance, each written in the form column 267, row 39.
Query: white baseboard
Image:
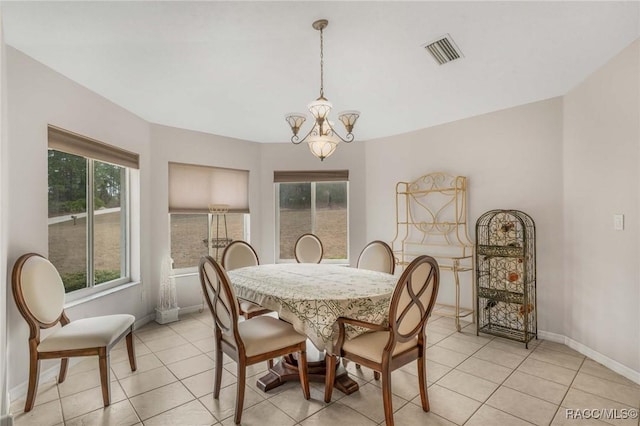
column 6, row 420
column 552, row 337
column 192, row 309
column 144, row 320
column 611, row 364
column 152, row 317
column 20, row 391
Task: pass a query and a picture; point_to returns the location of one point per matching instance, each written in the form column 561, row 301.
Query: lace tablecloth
column 313, row 296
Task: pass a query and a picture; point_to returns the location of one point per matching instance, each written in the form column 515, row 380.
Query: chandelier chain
column 321, row 63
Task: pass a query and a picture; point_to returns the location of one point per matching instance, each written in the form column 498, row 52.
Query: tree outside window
column 317, row 207
column 87, row 219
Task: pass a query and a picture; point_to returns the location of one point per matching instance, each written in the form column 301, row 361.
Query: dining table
column 312, row 297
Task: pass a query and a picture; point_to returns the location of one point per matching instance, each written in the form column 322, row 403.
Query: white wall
column 601, row 172
column 512, row 159
column 4, row 395
column 184, row 146
column 286, row 156
column 37, row 96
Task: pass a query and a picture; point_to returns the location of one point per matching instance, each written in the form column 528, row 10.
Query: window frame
column 191, row 270
column 197, row 188
column 276, row 185
column 93, row 288
column 92, row 150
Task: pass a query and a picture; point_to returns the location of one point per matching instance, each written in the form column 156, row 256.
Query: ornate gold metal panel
column 431, row 218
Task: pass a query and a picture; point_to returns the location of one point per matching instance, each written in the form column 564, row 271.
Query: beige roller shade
column 193, row 188
column 73, row 143
column 282, row 176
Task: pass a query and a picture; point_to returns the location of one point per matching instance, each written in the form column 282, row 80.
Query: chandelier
column 322, row 138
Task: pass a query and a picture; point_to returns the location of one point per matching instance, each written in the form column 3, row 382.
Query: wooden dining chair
column 248, row 342
column 387, row 348
column 308, row 249
column 377, row 256
column 240, row 254
column 39, row 295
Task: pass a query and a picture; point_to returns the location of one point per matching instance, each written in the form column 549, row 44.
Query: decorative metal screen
column 506, row 275
column 431, row 218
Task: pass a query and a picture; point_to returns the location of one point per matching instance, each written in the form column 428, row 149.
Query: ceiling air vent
column 443, row 49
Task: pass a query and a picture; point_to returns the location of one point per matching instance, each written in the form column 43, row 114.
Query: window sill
column 184, row 272
column 100, row 294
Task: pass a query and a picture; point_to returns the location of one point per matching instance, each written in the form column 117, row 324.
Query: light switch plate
column 618, row 222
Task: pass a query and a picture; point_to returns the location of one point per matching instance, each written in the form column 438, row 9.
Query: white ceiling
column 235, row 68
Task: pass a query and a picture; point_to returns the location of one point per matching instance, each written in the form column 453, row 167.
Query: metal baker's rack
column 431, row 218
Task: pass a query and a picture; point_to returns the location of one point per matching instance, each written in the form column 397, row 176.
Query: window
column 88, row 210
column 197, row 235
column 316, row 202
column 208, row 208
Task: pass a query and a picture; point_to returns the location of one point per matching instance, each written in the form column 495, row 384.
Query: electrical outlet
column 618, row 222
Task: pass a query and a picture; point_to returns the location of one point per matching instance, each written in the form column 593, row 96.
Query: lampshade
column 295, row 120
column 322, row 146
column 348, row 119
column 320, row 108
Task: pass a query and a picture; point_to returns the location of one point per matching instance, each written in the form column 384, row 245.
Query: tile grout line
column 595, row 394
column 166, row 365
column 568, row 388
column 502, row 384
column 456, row 367
column 128, row 398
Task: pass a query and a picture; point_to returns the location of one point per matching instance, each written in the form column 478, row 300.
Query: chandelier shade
column 348, row 118
column 296, row 121
column 322, row 146
column 322, row 138
column 320, row 109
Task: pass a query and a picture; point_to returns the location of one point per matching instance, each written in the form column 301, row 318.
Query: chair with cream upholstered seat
column 39, row 295
column 260, row 338
column 377, row 256
column 236, row 255
column 240, row 254
column 387, row 348
column 308, row 249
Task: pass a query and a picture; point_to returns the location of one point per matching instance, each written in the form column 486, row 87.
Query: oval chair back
column 239, row 254
column 220, row 298
column 377, row 256
column 414, row 298
column 308, row 249
column 38, row 291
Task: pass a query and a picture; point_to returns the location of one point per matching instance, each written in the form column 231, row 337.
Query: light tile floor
column 473, row 380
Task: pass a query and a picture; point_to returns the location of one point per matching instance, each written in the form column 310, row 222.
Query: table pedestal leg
column 287, row 370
